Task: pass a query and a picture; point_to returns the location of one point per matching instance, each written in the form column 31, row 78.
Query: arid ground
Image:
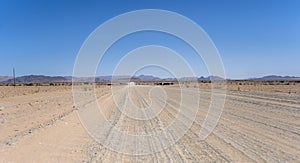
column 260, row 123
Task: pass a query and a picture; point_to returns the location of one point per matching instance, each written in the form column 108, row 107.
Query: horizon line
column 248, row 78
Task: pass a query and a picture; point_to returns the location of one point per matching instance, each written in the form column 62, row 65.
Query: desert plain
column 260, row 122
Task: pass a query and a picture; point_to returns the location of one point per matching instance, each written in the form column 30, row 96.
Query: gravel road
column 147, row 124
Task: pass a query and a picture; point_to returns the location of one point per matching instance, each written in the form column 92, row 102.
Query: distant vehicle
column 131, row 83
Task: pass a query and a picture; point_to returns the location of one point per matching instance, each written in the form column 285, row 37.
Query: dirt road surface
column 43, row 126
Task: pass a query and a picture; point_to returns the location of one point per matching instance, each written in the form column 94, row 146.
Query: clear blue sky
column 254, row 37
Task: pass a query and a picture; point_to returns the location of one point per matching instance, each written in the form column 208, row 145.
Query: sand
column 41, row 124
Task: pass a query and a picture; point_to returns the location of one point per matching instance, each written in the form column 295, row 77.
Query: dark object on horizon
column 164, row 83
column 14, row 75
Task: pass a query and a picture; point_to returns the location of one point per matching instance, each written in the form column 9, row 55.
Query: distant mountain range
column 276, row 77
column 56, row 79
column 53, row 79
column 37, row 79
column 4, row 78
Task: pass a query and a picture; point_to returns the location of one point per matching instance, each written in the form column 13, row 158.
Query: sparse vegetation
column 50, row 117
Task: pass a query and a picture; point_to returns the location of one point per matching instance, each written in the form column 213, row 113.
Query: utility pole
column 14, row 74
